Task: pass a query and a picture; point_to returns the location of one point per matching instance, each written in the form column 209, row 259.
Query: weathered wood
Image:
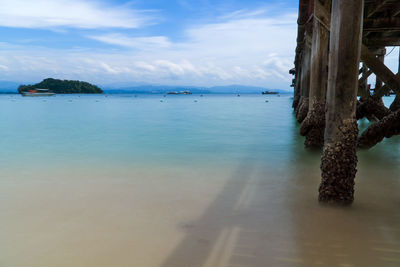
column 302, row 110
column 375, row 8
column 339, row 158
column 365, row 77
column 380, row 70
column 314, row 124
column 381, row 58
column 395, row 106
column 385, row 89
column 305, row 75
column 363, row 82
column 301, row 30
column 396, row 11
column 322, row 13
column 382, row 41
column 382, row 24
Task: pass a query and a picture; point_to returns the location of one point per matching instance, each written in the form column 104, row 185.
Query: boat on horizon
column 180, row 93
column 38, row 92
column 269, row 93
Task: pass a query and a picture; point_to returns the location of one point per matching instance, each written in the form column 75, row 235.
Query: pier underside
column 340, row 44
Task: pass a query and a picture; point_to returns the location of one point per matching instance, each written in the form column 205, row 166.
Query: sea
column 182, row 181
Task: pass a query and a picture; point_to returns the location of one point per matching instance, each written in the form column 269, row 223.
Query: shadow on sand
column 268, row 216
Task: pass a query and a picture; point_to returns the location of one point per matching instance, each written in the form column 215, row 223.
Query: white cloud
column 88, row 14
column 133, row 42
column 252, row 49
column 2, row 67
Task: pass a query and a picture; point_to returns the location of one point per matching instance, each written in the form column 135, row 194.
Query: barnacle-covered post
column 339, row 159
column 314, row 124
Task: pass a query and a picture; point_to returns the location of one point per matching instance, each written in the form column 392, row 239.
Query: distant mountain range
column 12, row 87
column 161, row 89
column 9, row 87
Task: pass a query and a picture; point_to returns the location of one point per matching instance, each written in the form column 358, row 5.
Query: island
column 62, row 87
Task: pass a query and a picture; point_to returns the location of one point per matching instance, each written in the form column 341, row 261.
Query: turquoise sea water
column 124, row 129
column 92, row 130
column 177, row 181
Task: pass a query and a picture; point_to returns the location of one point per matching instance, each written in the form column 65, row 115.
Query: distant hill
column 8, row 87
column 63, row 87
column 155, row 89
column 242, row 89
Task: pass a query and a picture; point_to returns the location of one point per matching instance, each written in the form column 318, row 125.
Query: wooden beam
column 385, row 89
column 396, row 10
column 382, row 24
column 365, row 76
column 322, row 12
column 382, row 41
column 380, row 70
column 375, row 8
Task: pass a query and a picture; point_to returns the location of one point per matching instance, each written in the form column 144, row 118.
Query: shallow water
column 120, row 180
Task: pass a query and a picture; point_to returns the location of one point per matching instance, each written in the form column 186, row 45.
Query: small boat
column 180, row 93
column 269, row 93
column 38, row 92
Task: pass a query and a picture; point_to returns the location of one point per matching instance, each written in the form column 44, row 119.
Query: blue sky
column 174, row 42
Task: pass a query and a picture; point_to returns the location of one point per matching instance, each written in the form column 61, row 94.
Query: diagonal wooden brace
column 391, row 80
column 385, row 89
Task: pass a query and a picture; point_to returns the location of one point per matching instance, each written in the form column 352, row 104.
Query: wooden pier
column 340, row 43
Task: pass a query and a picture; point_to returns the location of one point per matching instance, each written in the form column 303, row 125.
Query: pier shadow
column 244, row 226
column 269, row 215
column 213, row 232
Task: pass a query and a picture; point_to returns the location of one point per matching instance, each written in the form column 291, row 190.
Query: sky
column 171, row 42
column 168, row 42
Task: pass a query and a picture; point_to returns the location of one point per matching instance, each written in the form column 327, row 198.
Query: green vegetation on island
column 63, row 87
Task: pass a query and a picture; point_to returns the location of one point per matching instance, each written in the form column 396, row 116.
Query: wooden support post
column 363, row 82
column 302, row 20
column 314, row 125
column 339, row 158
column 381, row 57
column 302, row 109
column 297, row 90
column 396, row 103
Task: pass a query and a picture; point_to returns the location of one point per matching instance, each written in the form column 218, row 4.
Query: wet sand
column 247, row 215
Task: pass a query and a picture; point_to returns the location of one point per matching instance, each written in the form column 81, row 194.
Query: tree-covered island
column 63, row 87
